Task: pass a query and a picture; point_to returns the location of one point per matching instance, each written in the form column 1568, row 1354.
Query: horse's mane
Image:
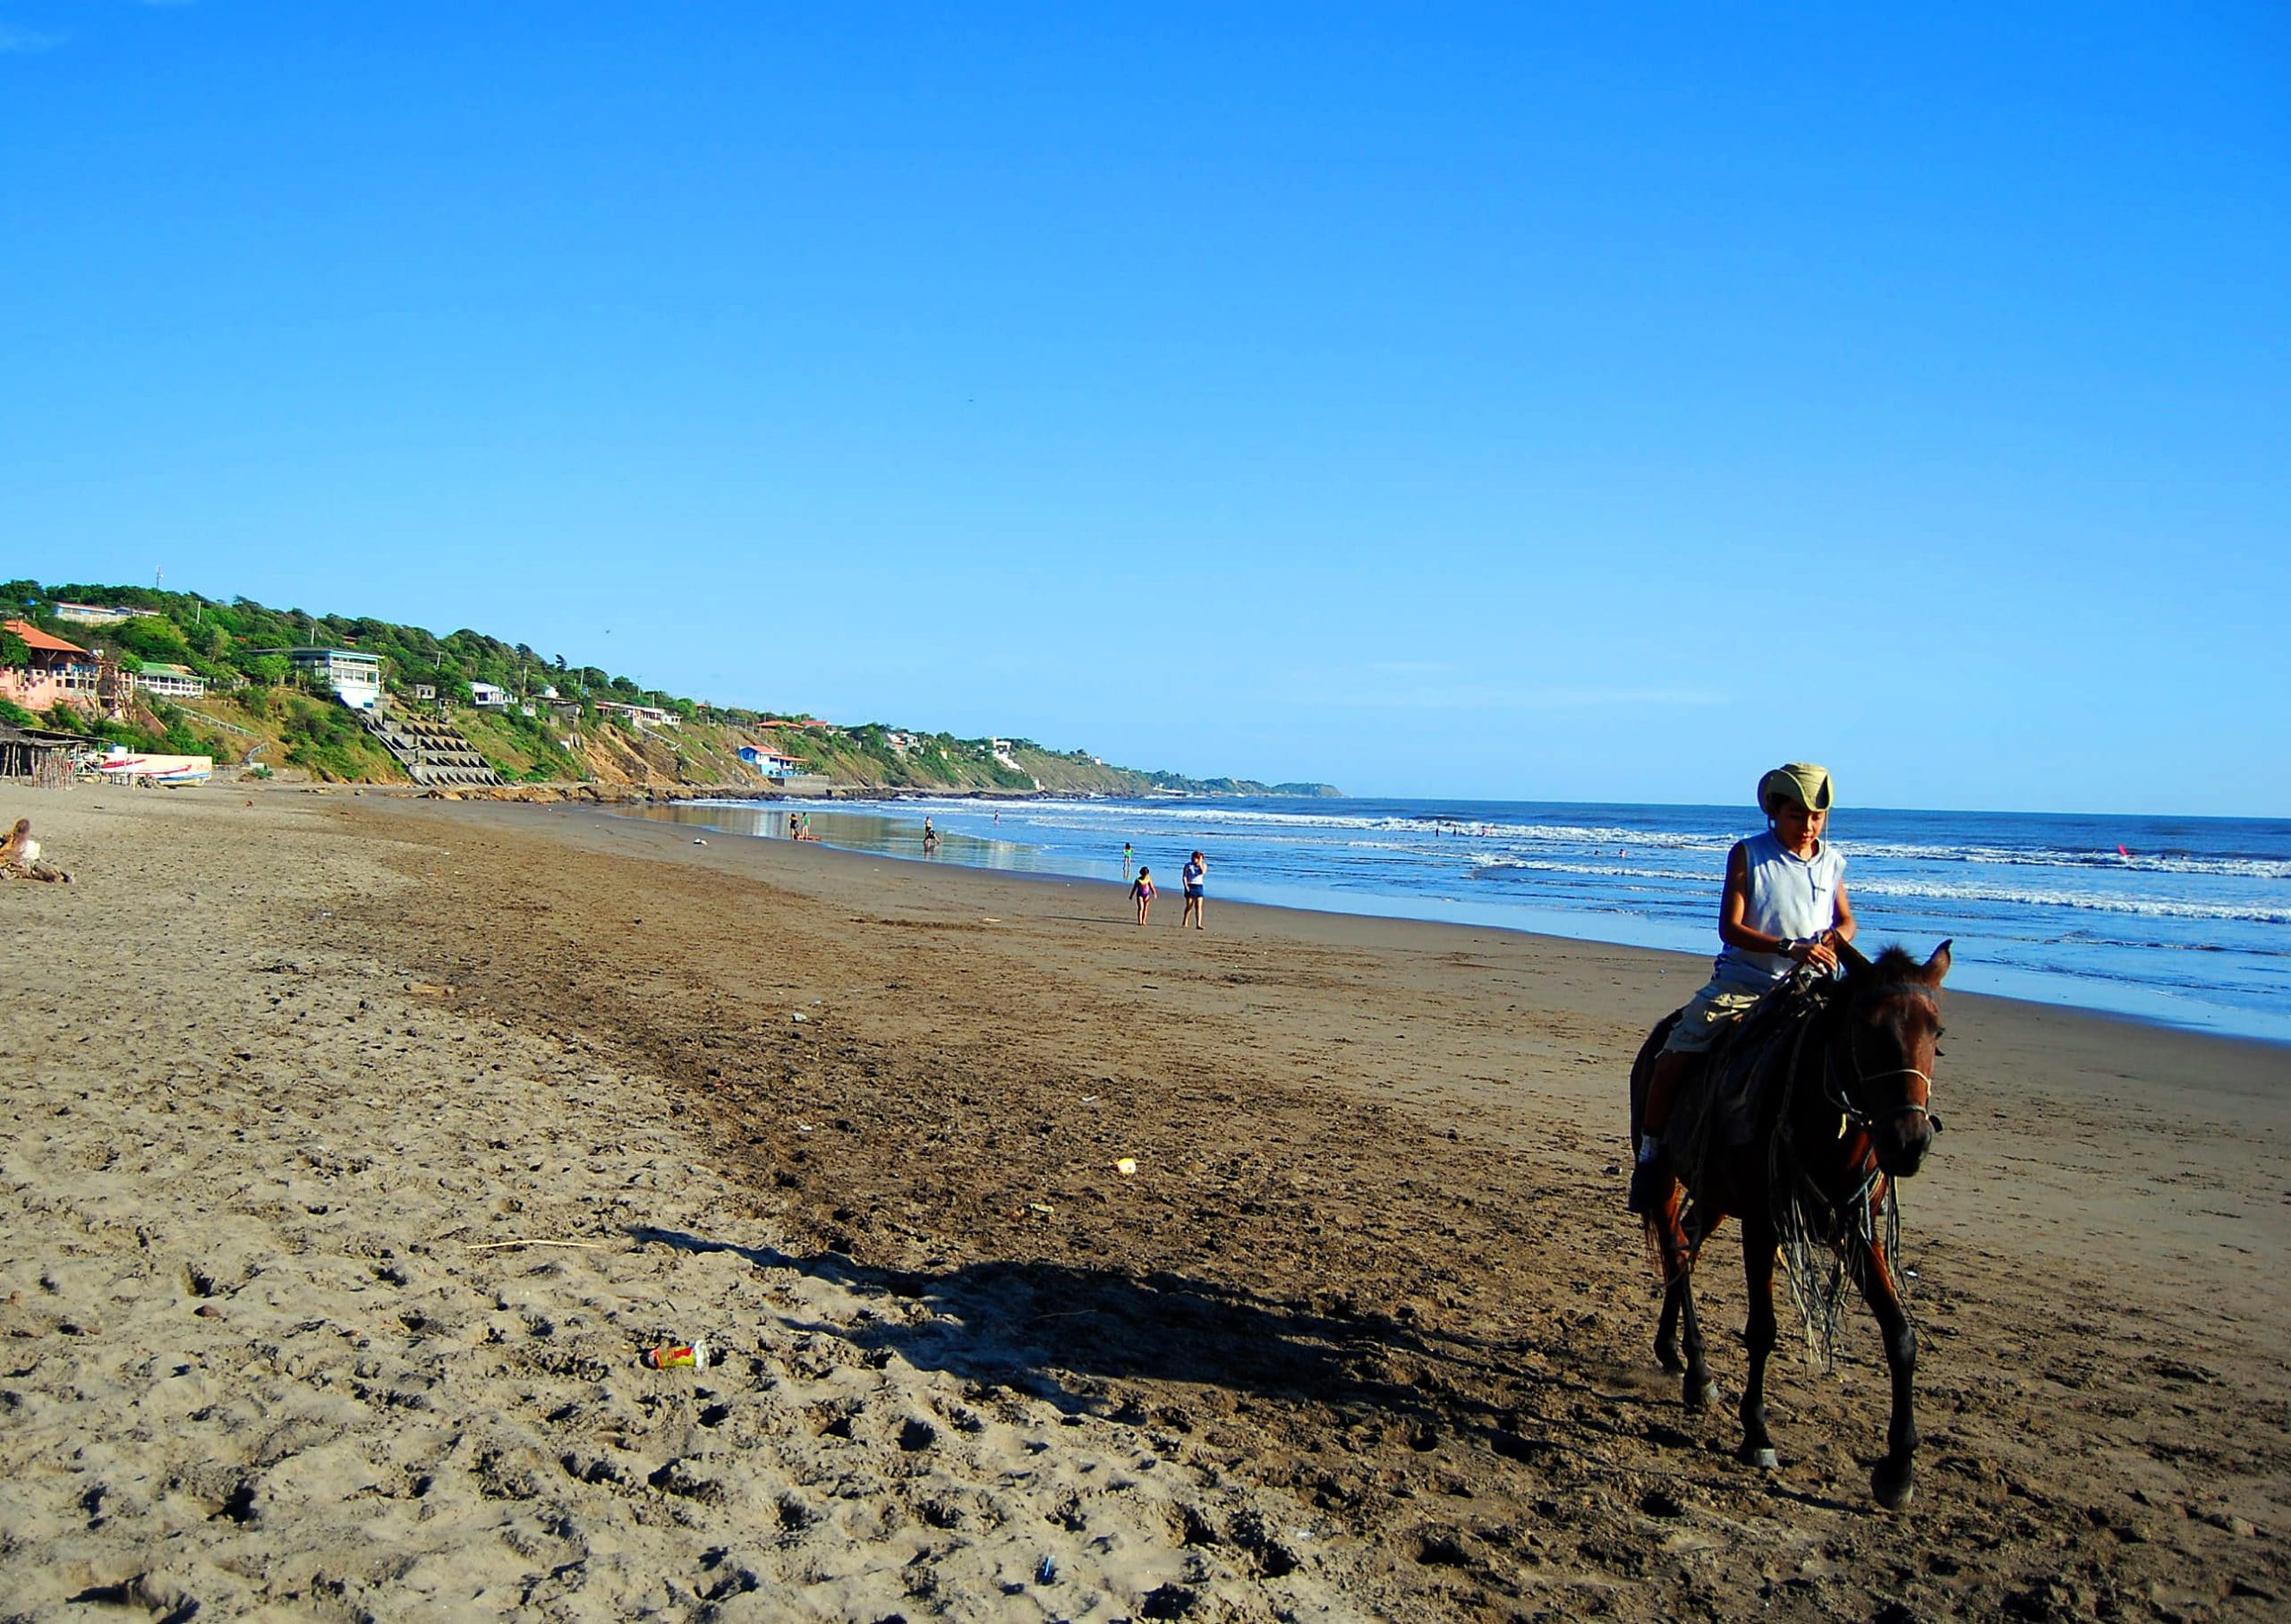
column 1895, row 964
column 1892, row 971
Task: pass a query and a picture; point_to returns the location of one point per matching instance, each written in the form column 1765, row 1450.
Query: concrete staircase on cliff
column 431, row 749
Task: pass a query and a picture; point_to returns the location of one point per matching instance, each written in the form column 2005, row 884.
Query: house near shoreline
column 54, row 673
column 98, row 615
column 487, row 696
column 170, row 681
column 772, row 764
column 643, row 716
column 354, row 677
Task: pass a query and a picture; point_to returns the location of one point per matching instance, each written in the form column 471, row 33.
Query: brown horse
column 1844, row 1073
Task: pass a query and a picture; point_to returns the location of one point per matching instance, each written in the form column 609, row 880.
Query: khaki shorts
column 1708, row 1015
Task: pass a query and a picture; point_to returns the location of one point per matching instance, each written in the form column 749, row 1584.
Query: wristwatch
column 1789, row 948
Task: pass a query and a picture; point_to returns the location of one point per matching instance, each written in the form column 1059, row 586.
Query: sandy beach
column 360, row 1144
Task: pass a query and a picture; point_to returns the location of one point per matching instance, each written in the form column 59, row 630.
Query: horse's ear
column 1855, row 961
column 1936, row 966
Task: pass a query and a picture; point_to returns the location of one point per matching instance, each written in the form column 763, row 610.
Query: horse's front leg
column 1895, row 1482
column 1758, row 1335
column 1666, row 1330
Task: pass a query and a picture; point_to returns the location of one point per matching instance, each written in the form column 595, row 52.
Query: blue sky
column 1584, row 402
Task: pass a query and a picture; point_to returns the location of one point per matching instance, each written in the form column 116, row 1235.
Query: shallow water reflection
column 873, row 832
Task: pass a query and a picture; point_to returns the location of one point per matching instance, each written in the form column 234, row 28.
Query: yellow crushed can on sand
column 678, row 1356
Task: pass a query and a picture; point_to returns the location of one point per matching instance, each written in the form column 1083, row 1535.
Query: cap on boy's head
column 1803, row 782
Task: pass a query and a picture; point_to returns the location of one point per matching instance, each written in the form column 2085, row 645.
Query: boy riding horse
column 1784, row 905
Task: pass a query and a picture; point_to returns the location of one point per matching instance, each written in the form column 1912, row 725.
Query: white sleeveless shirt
column 1789, row 896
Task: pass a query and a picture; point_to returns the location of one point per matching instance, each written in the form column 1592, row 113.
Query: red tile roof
column 34, row 638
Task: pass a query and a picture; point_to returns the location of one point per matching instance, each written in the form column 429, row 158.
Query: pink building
column 56, row 671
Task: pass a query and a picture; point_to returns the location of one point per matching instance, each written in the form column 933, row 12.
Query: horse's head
column 1892, row 1033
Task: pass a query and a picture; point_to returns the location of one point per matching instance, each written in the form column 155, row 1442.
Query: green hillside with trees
column 258, row 710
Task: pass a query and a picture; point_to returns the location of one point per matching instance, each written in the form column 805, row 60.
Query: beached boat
column 121, row 763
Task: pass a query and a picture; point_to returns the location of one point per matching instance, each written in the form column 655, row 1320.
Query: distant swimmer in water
column 1128, row 857
column 930, row 837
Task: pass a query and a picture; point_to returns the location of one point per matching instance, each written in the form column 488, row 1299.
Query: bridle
column 1867, row 1119
column 1863, row 1118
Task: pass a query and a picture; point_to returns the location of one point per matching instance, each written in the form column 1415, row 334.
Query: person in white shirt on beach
column 1195, row 872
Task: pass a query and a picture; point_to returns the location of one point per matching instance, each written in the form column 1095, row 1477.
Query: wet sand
column 1366, row 1335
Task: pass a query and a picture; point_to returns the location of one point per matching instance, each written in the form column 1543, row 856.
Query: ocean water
column 2182, row 921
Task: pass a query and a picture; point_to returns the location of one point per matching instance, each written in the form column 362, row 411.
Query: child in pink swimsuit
column 1141, row 894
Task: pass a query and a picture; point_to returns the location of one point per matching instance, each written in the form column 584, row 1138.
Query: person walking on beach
column 1195, row 871
column 1141, row 894
column 930, row 837
column 1128, row 857
column 1784, row 905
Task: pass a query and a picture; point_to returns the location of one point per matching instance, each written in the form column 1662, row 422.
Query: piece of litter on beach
column 1047, row 1574
column 990, row 919
column 1127, row 1166
column 803, row 1127
column 802, row 1017
column 1089, row 1099
column 700, row 842
column 491, row 1246
column 1036, row 1206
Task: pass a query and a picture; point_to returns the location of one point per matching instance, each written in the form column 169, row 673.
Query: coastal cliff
column 533, row 718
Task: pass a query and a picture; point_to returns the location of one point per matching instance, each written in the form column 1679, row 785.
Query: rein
column 1806, row 1216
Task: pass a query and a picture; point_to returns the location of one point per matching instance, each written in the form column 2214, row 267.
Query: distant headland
column 351, row 699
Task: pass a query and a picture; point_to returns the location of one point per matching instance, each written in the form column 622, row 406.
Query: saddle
column 1734, row 1096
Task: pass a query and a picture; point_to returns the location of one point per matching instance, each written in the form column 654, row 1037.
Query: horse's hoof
column 1894, row 1491
column 1701, row 1397
column 1765, row 1459
column 1670, row 1361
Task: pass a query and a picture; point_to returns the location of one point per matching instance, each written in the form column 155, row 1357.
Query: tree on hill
column 154, row 637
